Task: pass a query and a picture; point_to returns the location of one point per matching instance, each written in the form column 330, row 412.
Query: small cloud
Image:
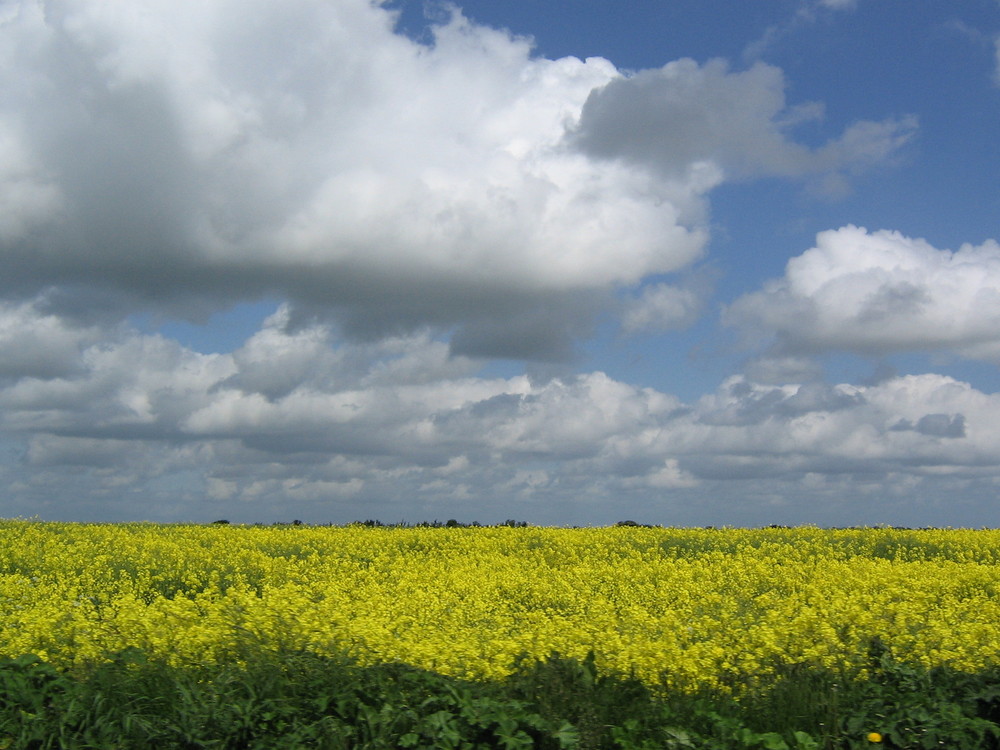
column 774, row 370
column 942, row 425
column 803, row 15
column 876, row 292
column 671, row 476
column 662, row 307
column 685, row 116
column 934, row 425
column 996, row 55
column 982, row 40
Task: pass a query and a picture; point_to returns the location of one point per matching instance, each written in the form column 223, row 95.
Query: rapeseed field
column 678, row 608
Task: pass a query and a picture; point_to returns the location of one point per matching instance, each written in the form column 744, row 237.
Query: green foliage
column 300, row 700
column 912, row 707
column 30, row 693
column 284, row 701
column 595, row 704
column 908, row 706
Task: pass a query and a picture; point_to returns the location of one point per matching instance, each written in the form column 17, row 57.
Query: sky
column 690, row 263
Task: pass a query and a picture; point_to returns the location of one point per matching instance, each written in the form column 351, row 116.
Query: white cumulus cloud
column 876, row 292
column 311, row 151
column 182, row 161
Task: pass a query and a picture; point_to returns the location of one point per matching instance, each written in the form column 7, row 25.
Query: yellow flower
column 874, row 737
column 682, row 608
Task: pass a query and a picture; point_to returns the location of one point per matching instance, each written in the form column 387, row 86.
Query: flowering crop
column 678, row 607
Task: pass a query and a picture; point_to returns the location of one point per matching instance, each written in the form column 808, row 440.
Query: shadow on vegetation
column 300, row 700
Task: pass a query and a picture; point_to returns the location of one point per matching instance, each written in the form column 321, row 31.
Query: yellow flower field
column 679, row 607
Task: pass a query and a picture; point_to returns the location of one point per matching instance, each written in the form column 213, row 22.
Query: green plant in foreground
column 912, row 707
column 283, row 701
column 300, row 700
column 30, row 692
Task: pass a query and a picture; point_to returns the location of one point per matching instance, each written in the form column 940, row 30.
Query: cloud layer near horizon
column 302, row 416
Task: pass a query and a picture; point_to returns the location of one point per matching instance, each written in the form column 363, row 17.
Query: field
column 672, row 612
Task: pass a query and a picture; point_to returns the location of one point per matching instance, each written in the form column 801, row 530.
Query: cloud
column 915, row 426
column 996, row 52
column 39, row 345
column 774, row 369
column 662, row 307
column 685, row 120
column 839, row 4
column 877, row 292
column 940, row 425
column 417, row 207
column 182, row 162
column 805, row 14
column 400, row 428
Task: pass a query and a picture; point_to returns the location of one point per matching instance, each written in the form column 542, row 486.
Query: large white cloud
column 309, row 150
column 153, row 157
column 879, row 292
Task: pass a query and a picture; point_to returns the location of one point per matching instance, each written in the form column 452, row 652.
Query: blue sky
column 687, row 263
